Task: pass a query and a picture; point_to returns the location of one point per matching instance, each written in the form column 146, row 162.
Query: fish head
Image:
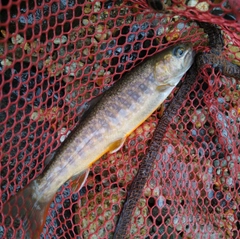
column 172, row 63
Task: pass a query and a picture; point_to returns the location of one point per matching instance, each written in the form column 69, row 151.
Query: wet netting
column 56, row 56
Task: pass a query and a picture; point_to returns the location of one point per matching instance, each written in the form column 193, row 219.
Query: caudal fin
column 27, row 210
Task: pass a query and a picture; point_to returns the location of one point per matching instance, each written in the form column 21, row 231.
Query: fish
column 125, row 106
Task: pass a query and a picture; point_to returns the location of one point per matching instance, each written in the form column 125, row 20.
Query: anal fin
column 79, row 180
column 115, row 146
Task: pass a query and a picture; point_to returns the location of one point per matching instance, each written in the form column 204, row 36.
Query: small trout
column 121, row 110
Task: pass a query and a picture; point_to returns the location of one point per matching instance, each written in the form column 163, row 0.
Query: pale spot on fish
column 133, row 94
column 111, row 117
column 143, row 88
column 150, row 78
column 124, row 102
column 114, row 106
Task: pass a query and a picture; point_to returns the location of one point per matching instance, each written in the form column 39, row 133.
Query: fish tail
column 27, row 210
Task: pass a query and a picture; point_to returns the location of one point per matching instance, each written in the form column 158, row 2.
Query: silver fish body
column 121, row 110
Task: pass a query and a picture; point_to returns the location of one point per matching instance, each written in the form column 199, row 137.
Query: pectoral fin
column 115, row 146
column 164, row 87
column 79, row 180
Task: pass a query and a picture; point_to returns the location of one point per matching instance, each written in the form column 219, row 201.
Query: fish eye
column 178, row 51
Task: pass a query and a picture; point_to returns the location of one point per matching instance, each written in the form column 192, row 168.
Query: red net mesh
column 55, row 56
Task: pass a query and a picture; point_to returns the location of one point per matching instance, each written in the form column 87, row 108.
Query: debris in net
column 147, row 163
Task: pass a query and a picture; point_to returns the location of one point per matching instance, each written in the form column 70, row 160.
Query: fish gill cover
column 56, row 56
